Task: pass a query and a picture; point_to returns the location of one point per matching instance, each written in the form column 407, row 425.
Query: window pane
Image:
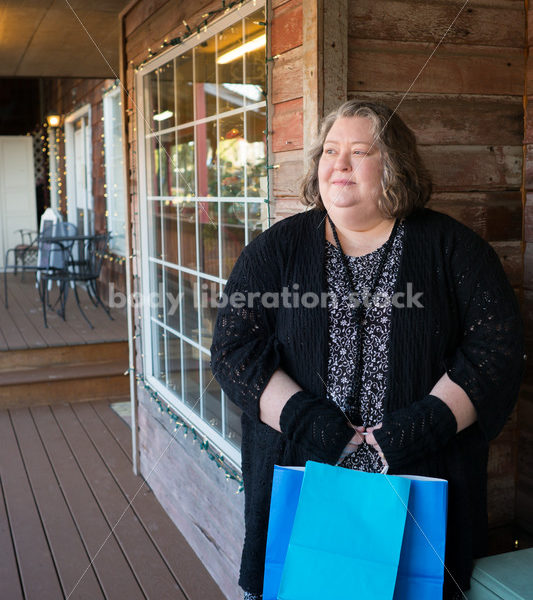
column 256, row 153
column 184, row 89
column 158, row 352
column 232, row 214
column 230, row 69
column 255, row 60
column 170, row 231
column 167, row 110
column 211, row 396
column 185, row 163
column 152, row 167
column 204, row 54
column 154, row 208
column 233, row 423
column 187, row 224
column 172, row 298
column 168, row 161
column 174, row 363
column 257, row 219
column 208, row 230
column 151, row 104
column 208, row 310
column 206, row 159
column 232, row 150
column 190, row 304
column 192, row 377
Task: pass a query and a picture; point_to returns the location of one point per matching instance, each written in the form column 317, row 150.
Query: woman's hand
column 371, row 441
column 353, row 444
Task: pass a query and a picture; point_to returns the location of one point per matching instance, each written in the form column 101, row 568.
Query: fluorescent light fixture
column 166, row 114
column 252, row 92
column 259, row 42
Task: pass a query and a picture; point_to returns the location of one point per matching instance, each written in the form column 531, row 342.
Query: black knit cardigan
column 469, row 326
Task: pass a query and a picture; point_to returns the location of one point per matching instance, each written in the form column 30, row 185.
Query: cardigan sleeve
column 245, row 351
column 489, row 362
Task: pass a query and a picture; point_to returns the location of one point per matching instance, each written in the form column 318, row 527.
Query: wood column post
column 325, row 62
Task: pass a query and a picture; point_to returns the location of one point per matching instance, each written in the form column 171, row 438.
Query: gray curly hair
column 405, row 182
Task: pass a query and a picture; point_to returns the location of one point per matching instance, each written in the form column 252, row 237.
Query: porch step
column 64, row 374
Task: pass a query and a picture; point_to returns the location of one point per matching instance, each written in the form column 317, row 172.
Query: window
column 203, row 185
column 114, row 174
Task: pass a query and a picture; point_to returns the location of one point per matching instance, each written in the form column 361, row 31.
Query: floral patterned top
column 344, row 331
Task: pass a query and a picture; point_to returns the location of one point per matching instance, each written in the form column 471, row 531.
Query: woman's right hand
column 353, row 444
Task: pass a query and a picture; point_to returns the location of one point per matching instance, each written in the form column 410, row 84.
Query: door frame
column 70, row 121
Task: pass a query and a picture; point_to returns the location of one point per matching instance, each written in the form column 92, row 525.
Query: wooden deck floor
column 22, row 326
column 76, row 523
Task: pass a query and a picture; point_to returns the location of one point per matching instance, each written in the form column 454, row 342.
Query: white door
column 80, row 206
column 17, row 190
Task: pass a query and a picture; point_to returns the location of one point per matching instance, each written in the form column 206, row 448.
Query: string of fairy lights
column 178, row 422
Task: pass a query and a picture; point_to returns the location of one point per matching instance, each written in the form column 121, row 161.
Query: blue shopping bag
column 286, row 484
column 347, row 535
column 421, row 569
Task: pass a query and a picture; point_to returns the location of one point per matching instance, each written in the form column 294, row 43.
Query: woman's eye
column 328, row 151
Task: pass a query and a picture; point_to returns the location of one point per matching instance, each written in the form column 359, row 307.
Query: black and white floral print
column 344, row 332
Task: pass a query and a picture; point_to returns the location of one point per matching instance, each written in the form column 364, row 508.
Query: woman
column 396, row 340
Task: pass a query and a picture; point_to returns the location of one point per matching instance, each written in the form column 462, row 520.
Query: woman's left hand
column 371, row 441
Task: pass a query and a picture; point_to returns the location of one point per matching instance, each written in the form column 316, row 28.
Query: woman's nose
column 343, row 162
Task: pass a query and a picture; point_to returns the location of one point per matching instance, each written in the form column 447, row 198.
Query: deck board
column 183, row 564
column 36, row 567
column 66, row 527
column 113, row 570
column 22, row 325
column 9, row 575
column 150, row 569
column 65, row 543
column 115, row 425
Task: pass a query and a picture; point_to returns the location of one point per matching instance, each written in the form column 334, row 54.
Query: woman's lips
column 344, row 182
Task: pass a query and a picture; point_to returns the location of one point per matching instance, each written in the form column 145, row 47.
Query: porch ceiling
column 44, row 38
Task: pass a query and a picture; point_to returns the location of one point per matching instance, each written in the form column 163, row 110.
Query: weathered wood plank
column 182, row 562
column 36, row 567
column 287, row 126
column 288, row 176
column 455, row 168
column 151, row 572
column 166, row 23
column 113, row 571
column 409, row 20
column 10, row 585
column 287, row 76
column 453, row 119
column 70, row 556
column 197, row 497
column 510, row 254
column 376, row 65
column 286, row 29
column 495, row 216
column 140, row 13
column 285, row 207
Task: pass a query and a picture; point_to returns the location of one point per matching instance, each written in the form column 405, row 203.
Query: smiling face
column 350, row 169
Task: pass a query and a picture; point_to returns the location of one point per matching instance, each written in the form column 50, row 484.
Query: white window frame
column 70, row 120
column 108, row 156
column 235, row 15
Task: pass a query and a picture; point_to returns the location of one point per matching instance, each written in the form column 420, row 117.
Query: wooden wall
column 64, row 96
column 465, row 108
column 524, row 495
